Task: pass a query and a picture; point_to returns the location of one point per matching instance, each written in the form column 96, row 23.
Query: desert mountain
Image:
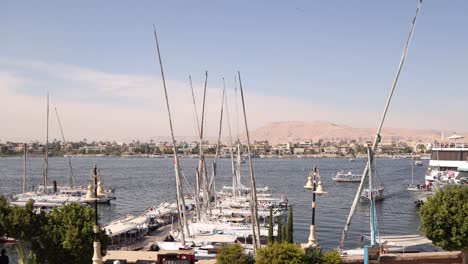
column 292, row 131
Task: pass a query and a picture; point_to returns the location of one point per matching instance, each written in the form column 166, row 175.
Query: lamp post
column 317, row 189
column 93, row 196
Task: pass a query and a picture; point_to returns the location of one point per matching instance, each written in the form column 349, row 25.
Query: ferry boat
column 347, row 177
column 446, row 158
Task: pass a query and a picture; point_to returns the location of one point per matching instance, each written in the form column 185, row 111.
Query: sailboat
column 370, row 251
column 412, row 187
column 47, row 196
column 372, row 192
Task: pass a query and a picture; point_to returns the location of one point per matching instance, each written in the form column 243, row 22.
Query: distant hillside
column 292, row 131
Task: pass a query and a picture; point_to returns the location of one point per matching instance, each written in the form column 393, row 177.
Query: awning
column 455, row 136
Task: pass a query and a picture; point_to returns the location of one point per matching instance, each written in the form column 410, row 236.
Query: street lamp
column 317, row 189
column 92, row 197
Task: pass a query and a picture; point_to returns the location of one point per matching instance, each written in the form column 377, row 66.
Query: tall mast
column 179, row 189
column 239, row 157
column 237, row 106
column 46, row 169
column 25, row 147
column 372, row 200
column 379, row 129
column 197, row 174
column 71, row 177
column 233, row 168
column 202, row 164
column 213, row 175
column 253, row 189
column 194, row 106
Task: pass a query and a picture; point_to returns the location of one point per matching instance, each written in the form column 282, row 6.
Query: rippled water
column 144, row 182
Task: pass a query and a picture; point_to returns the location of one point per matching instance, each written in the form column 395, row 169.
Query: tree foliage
column 313, row 255
column 270, row 227
column 23, row 223
column 68, row 236
column 444, row 218
column 232, row 254
column 5, row 211
column 280, row 231
column 331, row 257
column 64, row 236
column 25, row 256
column 290, row 232
column 280, row 253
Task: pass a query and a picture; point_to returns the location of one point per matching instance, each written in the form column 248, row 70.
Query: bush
column 331, row 257
column 280, row 253
column 232, row 254
column 313, row 255
column 443, row 218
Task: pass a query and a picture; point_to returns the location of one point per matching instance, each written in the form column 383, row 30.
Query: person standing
column 4, row 258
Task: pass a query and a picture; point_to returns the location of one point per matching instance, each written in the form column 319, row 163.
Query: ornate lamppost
column 317, row 189
column 93, row 196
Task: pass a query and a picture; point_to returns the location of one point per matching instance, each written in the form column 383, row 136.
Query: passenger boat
column 347, row 177
column 446, row 158
column 126, row 230
column 162, row 215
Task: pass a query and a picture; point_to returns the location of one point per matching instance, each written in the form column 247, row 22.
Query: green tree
column 67, row 237
column 280, row 230
column 284, row 233
column 331, row 257
column 232, row 254
column 5, row 211
column 444, row 219
column 270, row 227
column 23, row 223
column 290, row 231
column 280, row 253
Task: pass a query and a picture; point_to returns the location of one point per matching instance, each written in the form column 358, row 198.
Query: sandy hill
column 293, row 131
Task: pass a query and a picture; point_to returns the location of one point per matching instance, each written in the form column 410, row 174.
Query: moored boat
column 347, row 177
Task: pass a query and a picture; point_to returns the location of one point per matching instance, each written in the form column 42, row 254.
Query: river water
column 144, row 182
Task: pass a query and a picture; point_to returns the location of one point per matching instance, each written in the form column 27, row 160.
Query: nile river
column 144, row 182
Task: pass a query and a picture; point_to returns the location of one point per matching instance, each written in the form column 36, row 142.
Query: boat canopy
column 405, row 241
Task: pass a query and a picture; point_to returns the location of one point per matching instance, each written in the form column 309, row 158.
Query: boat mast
column 372, row 200
column 412, row 173
column 233, row 167
column 46, row 169
column 202, row 163
column 239, row 157
column 253, row 189
column 25, row 147
column 71, row 177
column 379, row 129
column 197, row 174
column 180, row 192
column 213, row 175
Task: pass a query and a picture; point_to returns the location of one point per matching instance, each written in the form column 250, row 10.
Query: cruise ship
column 448, row 163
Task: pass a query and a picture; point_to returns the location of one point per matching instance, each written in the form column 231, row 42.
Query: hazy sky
column 300, row 60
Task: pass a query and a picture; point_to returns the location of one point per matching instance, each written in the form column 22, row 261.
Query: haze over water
column 144, row 182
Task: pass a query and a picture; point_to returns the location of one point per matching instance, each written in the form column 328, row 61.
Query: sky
column 299, row 61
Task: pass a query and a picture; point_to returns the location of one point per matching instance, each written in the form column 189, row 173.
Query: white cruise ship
column 447, row 160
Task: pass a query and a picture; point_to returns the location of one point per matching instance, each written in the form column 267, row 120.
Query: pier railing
column 450, row 145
